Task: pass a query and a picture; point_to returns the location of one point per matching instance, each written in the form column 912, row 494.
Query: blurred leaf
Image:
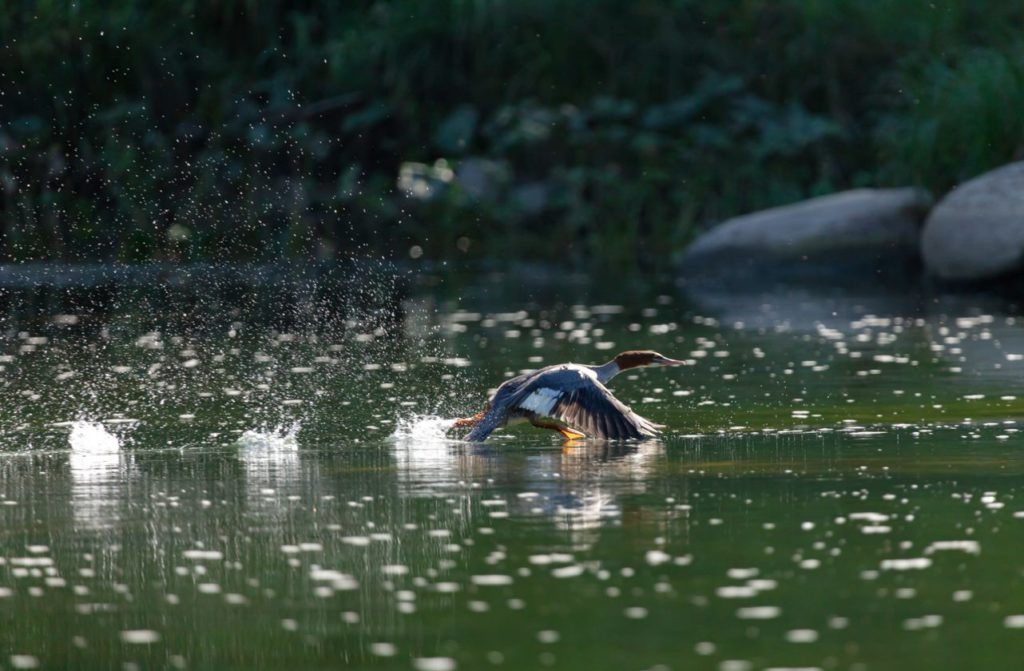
column 373, row 114
column 456, row 132
column 673, row 113
column 606, row 108
column 348, row 182
column 708, row 136
column 28, row 127
column 793, row 131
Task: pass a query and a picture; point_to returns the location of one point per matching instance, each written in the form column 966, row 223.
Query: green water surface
column 840, row 485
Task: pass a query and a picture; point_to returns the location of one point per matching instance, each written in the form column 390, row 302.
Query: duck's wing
column 498, row 407
column 581, row 402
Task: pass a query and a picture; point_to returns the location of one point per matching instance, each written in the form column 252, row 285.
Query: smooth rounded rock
column 977, row 231
column 862, row 229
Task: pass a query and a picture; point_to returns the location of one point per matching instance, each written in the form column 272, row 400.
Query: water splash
column 272, row 465
column 424, row 453
column 99, row 470
column 422, row 429
column 92, row 438
column 279, row 439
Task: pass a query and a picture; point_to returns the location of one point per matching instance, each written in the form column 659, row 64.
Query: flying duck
column 570, row 398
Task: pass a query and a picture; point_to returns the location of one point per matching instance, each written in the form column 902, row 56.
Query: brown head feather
column 635, row 358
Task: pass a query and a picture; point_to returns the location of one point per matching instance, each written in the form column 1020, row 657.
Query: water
column 839, row 486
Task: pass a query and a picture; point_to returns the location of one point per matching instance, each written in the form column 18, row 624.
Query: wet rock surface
column 977, row 231
column 853, row 233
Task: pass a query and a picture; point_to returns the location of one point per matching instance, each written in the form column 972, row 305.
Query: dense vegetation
column 566, row 129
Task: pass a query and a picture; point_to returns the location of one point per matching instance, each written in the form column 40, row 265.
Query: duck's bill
column 665, row 361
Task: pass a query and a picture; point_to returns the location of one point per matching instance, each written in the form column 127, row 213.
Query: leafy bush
column 591, row 130
column 958, row 119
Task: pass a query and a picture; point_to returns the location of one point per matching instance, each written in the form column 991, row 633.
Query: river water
column 200, row 482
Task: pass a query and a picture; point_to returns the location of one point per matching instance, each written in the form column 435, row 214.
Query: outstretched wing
column 576, row 398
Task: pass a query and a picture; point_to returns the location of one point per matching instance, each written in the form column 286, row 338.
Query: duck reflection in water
column 577, row 490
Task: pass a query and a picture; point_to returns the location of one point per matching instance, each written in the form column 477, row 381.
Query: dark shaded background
column 589, row 131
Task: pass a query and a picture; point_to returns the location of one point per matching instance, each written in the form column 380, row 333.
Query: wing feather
column 582, row 403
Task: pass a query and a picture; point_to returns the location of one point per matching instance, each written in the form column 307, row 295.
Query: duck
column 569, row 398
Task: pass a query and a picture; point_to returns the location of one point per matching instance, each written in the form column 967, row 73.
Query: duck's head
column 641, row 358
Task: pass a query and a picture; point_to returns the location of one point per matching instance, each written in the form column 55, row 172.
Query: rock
column 873, row 230
column 977, row 230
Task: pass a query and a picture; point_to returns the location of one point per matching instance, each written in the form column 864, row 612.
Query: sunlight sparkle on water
column 799, row 463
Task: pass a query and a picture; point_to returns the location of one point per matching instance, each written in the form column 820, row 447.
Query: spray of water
column 92, row 438
column 422, row 429
column 278, row 439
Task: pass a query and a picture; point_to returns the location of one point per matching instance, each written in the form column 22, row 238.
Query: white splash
column 424, row 454
column 99, row 470
column 92, row 438
column 422, row 429
column 278, row 439
column 271, row 460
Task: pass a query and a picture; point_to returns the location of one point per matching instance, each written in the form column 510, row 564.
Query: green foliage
column 959, row 119
column 592, row 130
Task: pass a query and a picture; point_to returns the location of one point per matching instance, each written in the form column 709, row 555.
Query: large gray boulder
column 863, row 229
column 977, row 231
